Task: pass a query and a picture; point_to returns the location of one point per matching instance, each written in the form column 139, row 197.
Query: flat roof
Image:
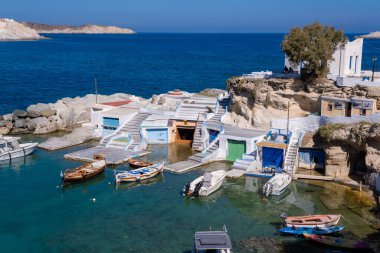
column 120, row 111
column 117, row 103
column 242, row 132
column 209, row 240
column 335, row 99
column 271, row 144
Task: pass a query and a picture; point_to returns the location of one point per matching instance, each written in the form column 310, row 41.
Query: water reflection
column 147, row 182
column 83, row 184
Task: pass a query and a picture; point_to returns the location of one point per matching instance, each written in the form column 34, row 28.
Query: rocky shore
column 372, row 35
column 64, row 114
column 12, row 30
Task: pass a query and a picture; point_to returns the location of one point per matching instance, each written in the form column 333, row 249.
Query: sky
column 199, row 15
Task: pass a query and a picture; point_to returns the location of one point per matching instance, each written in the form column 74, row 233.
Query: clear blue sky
column 199, row 15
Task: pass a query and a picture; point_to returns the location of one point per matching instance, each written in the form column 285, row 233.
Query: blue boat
column 317, row 231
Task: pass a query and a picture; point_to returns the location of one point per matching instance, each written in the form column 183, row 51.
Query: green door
column 236, row 149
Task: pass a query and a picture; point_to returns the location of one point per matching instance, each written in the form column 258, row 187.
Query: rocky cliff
column 12, row 30
column 256, row 102
column 84, row 29
column 372, row 35
column 349, row 148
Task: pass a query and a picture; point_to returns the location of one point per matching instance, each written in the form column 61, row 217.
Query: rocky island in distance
column 12, row 30
column 83, row 29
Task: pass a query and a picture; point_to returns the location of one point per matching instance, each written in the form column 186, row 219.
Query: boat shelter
column 157, row 130
column 347, row 107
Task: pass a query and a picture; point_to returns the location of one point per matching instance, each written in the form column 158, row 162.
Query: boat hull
column 277, row 185
column 24, row 150
column 343, row 243
column 317, row 231
column 129, row 178
column 218, row 176
column 84, row 172
column 312, row 221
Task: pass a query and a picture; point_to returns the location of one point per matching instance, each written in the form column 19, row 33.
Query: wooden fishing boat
column 139, row 163
column 316, row 231
column 311, row 221
column 139, row 174
column 338, row 242
column 84, row 172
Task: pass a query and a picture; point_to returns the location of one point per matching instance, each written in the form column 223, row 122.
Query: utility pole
column 374, row 59
column 340, row 57
column 287, row 122
column 96, row 92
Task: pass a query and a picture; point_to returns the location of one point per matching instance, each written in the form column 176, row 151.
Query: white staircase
column 222, row 109
column 190, row 108
column 197, row 141
column 206, row 154
column 245, row 163
column 130, row 130
column 291, row 155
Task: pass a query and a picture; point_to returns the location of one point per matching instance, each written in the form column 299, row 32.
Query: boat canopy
column 212, row 240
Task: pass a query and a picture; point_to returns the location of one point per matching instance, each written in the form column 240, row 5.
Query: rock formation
column 12, row 30
column 84, row 29
column 348, row 148
column 66, row 113
column 256, row 102
column 372, row 35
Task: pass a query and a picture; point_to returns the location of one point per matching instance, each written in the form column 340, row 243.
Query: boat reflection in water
column 67, row 185
column 146, row 182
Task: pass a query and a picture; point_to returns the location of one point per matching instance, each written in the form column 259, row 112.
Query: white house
column 347, row 61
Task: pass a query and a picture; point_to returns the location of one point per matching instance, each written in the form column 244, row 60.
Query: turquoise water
column 37, row 215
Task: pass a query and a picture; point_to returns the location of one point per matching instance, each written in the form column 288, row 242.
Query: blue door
column 157, row 135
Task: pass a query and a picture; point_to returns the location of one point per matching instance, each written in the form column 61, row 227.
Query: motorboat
column 311, row 221
column 212, row 241
column 84, row 172
column 206, row 184
column 339, row 242
column 139, row 174
column 307, row 230
column 277, row 184
column 10, row 148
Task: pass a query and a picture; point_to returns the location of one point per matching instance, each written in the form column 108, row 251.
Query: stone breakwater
column 64, row 114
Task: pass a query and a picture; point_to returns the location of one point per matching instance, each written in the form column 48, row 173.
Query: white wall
column 250, row 143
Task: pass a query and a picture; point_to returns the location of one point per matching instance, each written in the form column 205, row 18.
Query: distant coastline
column 83, row 29
column 372, row 35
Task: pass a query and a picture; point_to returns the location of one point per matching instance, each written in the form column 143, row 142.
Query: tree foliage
column 313, row 46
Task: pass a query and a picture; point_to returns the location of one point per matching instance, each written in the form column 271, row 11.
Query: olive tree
column 313, row 46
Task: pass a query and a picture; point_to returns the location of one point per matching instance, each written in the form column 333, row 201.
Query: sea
column 142, row 64
column 39, row 214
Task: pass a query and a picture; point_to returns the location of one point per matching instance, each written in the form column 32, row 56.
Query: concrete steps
column 244, row 163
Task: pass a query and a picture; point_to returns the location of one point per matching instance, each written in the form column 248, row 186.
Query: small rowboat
column 317, row 231
column 311, row 221
column 139, row 174
column 139, row 163
column 338, row 242
column 84, row 172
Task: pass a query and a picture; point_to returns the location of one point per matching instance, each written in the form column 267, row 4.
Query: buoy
column 57, row 186
column 93, row 200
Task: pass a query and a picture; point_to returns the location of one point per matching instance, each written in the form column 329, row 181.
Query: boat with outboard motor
column 212, row 241
column 307, row 230
column 206, row 184
column 10, row 148
column 84, row 172
column 311, row 221
column 277, row 184
column 139, row 174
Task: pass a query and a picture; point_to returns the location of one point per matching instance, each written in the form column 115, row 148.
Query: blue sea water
column 142, row 64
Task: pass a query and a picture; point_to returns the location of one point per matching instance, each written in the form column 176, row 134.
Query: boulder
column 20, row 123
column 19, row 131
column 2, row 123
column 19, row 113
column 45, row 128
column 33, row 123
column 35, row 110
column 47, row 113
column 33, row 114
column 162, row 100
column 8, row 124
column 4, row 130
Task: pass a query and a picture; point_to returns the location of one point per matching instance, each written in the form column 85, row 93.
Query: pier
column 113, row 156
column 182, row 167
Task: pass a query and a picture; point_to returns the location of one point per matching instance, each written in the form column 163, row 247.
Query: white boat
column 10, row 148
column 277, row 184
column 206, row 184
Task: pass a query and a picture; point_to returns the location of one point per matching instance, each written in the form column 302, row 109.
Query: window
column 350, row 62
column 363, row 112
column 329, row 107
column 338, row 106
